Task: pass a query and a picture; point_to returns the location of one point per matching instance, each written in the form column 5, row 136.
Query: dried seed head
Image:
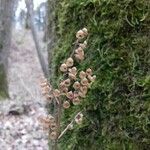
column 79, row 50
column 67, row 82
column 46, row 126
column 76, row 101
column 76, row 94
column 51, row 118
column 80, row 34
column 81, row 94
column 83, row 89
column 69, row 62
column 63, row 68
column 82, row 46
column 47, row 88
column 84, row 81
column 72, row 76
column 79, row 118
column 82, row 75
column 44, row 120
column 76, row 85
column 44, row 84
column 85, row 43
column 79, row 57
column 70, row 95
column 65, row 90
column 53, row 126
column 62, row 85
column 48, row 97
column 56, row 93
column 89, row 71
column 53, row 135
column 73, row 70
column 92, row 78
column 85, row 31
column 66, row 104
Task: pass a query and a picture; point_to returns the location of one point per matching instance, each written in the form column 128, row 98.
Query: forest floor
column 20, row 128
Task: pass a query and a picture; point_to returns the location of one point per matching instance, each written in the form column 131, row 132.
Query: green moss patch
column 117, row 106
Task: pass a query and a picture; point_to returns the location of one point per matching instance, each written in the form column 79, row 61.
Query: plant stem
column 58, row 120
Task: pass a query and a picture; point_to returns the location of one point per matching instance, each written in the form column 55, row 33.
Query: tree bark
column 6, row 14
column 51, row 34
column 29, row 5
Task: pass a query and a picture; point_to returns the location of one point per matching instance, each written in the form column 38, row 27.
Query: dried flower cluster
column 50, row 124
column 74, row 86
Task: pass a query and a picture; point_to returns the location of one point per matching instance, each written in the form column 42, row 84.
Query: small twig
column 68, row 126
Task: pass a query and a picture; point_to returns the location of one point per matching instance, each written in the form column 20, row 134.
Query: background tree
column 6, row 14
column 30, row 11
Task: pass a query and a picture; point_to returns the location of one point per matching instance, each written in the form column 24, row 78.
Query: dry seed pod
column 70, row 95
column 76, row 85
column 44, row 93
column 79, row 118
column 92, row 78
column 67, row 82
column 72, row 76
column 65, row 90
column 85, row 43
column 79, row 50
column 82, row 75
column 43, row 84
column 76, row 101
column 89, row 71
column 56, row 93
column 73, row 70
column 62, row 85
column 85, row 31
column 51, row 118
column 66, row 104
column 48, row 97
column 47, row 88
column 83, row 89
column 79, row 57
column 44, row 120
column 69, row 62
column 76, row 94
column 46, row 126
column 53, row 135
column 82, row 45
column 80, row 34
column 63, row 68
column 84, row 81
column 53, row 126
column 81, row 94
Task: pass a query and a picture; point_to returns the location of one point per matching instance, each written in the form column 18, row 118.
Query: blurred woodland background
column 118, row 104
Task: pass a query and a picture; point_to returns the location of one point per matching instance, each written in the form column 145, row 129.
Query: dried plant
column 71, row 90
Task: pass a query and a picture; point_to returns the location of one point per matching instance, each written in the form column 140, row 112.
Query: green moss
column 3, row 83
column 117, row 106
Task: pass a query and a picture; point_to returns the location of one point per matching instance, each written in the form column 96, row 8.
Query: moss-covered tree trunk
column 6, row 13
column 117, row 107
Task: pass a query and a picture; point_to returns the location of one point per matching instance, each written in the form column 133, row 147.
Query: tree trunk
column 51, row 33
column 6, row 14
column 29, row 5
